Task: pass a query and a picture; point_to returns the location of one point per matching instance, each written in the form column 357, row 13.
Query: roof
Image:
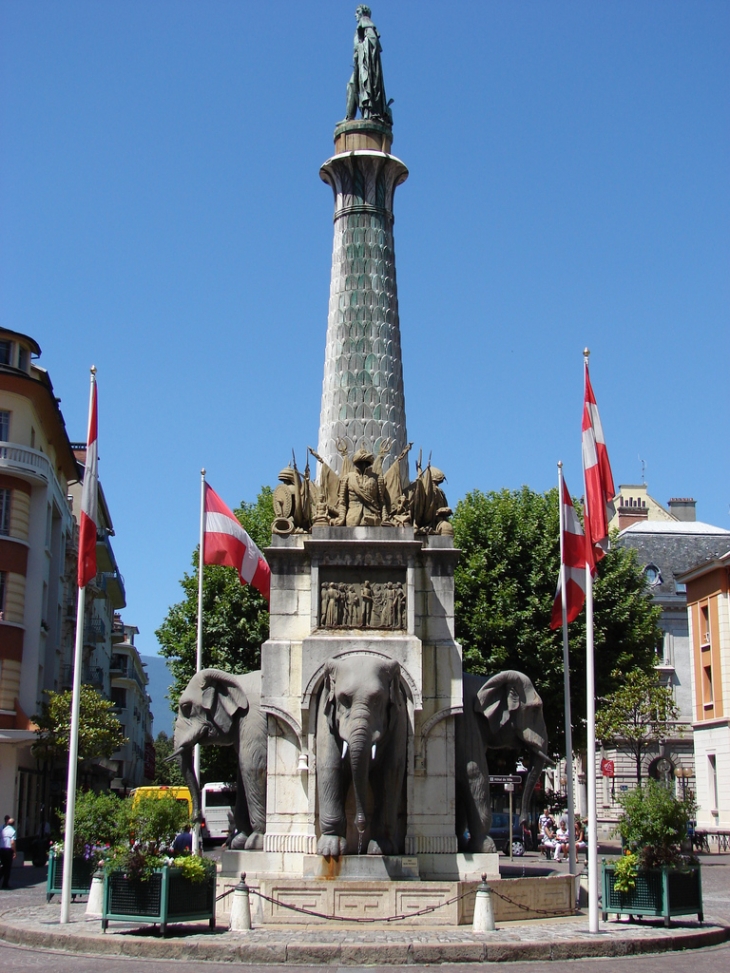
column 673, row 527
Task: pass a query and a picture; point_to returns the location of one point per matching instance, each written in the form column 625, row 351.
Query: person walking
column 7, row 851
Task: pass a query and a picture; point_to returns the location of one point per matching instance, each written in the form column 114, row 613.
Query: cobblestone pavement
column 27, row 920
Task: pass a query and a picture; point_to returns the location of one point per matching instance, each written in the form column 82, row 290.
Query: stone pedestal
column 294, row 657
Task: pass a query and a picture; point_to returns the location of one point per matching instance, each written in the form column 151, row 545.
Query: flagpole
column 197, row 842
column 566, row 684
column 73, row 741
column 590, row 727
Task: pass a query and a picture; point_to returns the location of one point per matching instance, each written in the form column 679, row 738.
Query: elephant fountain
column 224, row 709
column 361, row 736
column 503, row 713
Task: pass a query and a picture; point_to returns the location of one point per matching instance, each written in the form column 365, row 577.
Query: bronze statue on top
column 366, row 88
column 361, row 495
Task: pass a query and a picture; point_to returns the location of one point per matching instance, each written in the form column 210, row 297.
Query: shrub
column 100, row 820
column 654, row 823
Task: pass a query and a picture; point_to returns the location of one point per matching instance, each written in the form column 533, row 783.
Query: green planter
column 664, row 891
column 82, row 871
column 166, row 897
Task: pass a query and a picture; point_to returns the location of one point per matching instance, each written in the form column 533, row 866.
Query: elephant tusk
column 373, row 751
column 173, row 755
column 344, row 749
column 544, row 756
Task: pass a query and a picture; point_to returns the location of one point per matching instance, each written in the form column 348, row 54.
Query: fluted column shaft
column 362, row 392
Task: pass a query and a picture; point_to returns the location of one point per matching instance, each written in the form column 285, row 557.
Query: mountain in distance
column 158, row 688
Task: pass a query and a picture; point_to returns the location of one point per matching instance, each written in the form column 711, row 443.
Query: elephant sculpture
column 503, row 713
column 361, row 736
column 224, row 709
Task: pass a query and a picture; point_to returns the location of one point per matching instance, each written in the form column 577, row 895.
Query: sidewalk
column 26, row 919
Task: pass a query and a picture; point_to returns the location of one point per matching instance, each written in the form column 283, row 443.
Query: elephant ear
column 221, row 689
column 328, row 690
column 497, row 699
column 394, row 677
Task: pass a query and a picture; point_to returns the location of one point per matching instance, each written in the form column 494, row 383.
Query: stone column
column 362, row 391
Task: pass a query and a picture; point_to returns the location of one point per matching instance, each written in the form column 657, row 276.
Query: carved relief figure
column 292, row 502
column 363, row 605
column 361, row 737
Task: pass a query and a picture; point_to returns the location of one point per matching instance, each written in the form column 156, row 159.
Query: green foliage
column 654, row 823
column 100, row 732
column 154, row 821
column 168, row 774
column 505, row 587
column 637, row 714
column 195, row 868
column 625, row 870
column 99, row 820
column 235, row 624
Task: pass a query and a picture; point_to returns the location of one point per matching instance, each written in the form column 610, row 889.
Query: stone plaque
column 363, row 598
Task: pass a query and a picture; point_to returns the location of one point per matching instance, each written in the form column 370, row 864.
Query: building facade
column 708, row 611
column 132, row 703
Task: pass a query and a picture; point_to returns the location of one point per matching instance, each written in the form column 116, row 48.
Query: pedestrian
column 183, row 842
column 7, row 851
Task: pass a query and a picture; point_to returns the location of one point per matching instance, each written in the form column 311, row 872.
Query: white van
column 218, row 800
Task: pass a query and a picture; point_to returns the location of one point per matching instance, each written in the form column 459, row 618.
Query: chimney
column 631, row 510
column 683, row 508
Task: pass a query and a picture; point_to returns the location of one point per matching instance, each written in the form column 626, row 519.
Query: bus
column 218, row 801
column 179, row 793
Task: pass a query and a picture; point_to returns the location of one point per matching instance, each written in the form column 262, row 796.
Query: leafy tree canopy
column 637, row 714
column 505, row 588
column 166, row 773
column 235, row 624
column 100, row 732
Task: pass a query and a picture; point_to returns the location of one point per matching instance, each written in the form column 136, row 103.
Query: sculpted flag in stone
column 226, row 542
column 574, row 559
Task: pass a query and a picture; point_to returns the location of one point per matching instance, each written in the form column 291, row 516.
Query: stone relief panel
column 365, row 599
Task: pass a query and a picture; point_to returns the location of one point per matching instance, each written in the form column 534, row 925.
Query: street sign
column 509, row 788
column 607, row 768
column 505, row 779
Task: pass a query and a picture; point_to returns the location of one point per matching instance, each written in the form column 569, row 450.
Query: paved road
column 716, row 889
column 17, row 960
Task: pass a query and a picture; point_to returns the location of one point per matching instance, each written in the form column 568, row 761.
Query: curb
column 359, row 954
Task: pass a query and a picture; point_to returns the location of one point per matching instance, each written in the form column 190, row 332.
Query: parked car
column 499, row 833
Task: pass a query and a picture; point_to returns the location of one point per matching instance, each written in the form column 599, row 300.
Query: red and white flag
column 574, row 558
column 89, row 501
column 226, row 542
column 599, row 488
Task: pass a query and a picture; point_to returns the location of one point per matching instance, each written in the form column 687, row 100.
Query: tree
column 505, row 587
column 637, row 714
column 100, row 732
column 235, row 624
column 167, row 773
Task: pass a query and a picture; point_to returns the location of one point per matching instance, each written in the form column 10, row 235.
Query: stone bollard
column 483, row 910
column 95, row 904
column 241, row 908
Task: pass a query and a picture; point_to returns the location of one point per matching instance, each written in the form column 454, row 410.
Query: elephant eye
column 185, row 709
column 346, row 701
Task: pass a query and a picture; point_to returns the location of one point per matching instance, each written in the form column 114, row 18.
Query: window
column 707, row 697
column 705, row 625
column 119, row 697
column 2, row 594
column 6, row 352
column 4, row 426
column 23, row 358
column 5, row 496
column 712, row 780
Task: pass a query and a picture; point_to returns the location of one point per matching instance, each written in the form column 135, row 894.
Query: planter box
column 664, row 891
column 166, row 897
column 82, row 871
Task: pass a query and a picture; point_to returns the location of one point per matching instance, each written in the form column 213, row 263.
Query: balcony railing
column 34, row 464
column 90, row 676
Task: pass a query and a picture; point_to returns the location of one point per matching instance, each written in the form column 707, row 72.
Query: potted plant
column 99, row 823
column 653, row 877
column 144, row 882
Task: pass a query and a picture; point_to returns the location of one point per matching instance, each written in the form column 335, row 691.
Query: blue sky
column 161, row 216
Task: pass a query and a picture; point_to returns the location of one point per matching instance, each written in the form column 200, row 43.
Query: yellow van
column 179, row 793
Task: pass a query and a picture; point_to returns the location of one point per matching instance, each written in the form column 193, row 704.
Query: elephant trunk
column 360, row 764
column 188, row 772
column 536, row 768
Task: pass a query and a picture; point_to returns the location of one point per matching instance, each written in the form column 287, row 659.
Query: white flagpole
column 566, row 685
column 197, row 842
column 591, row 734
column 73, row 742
